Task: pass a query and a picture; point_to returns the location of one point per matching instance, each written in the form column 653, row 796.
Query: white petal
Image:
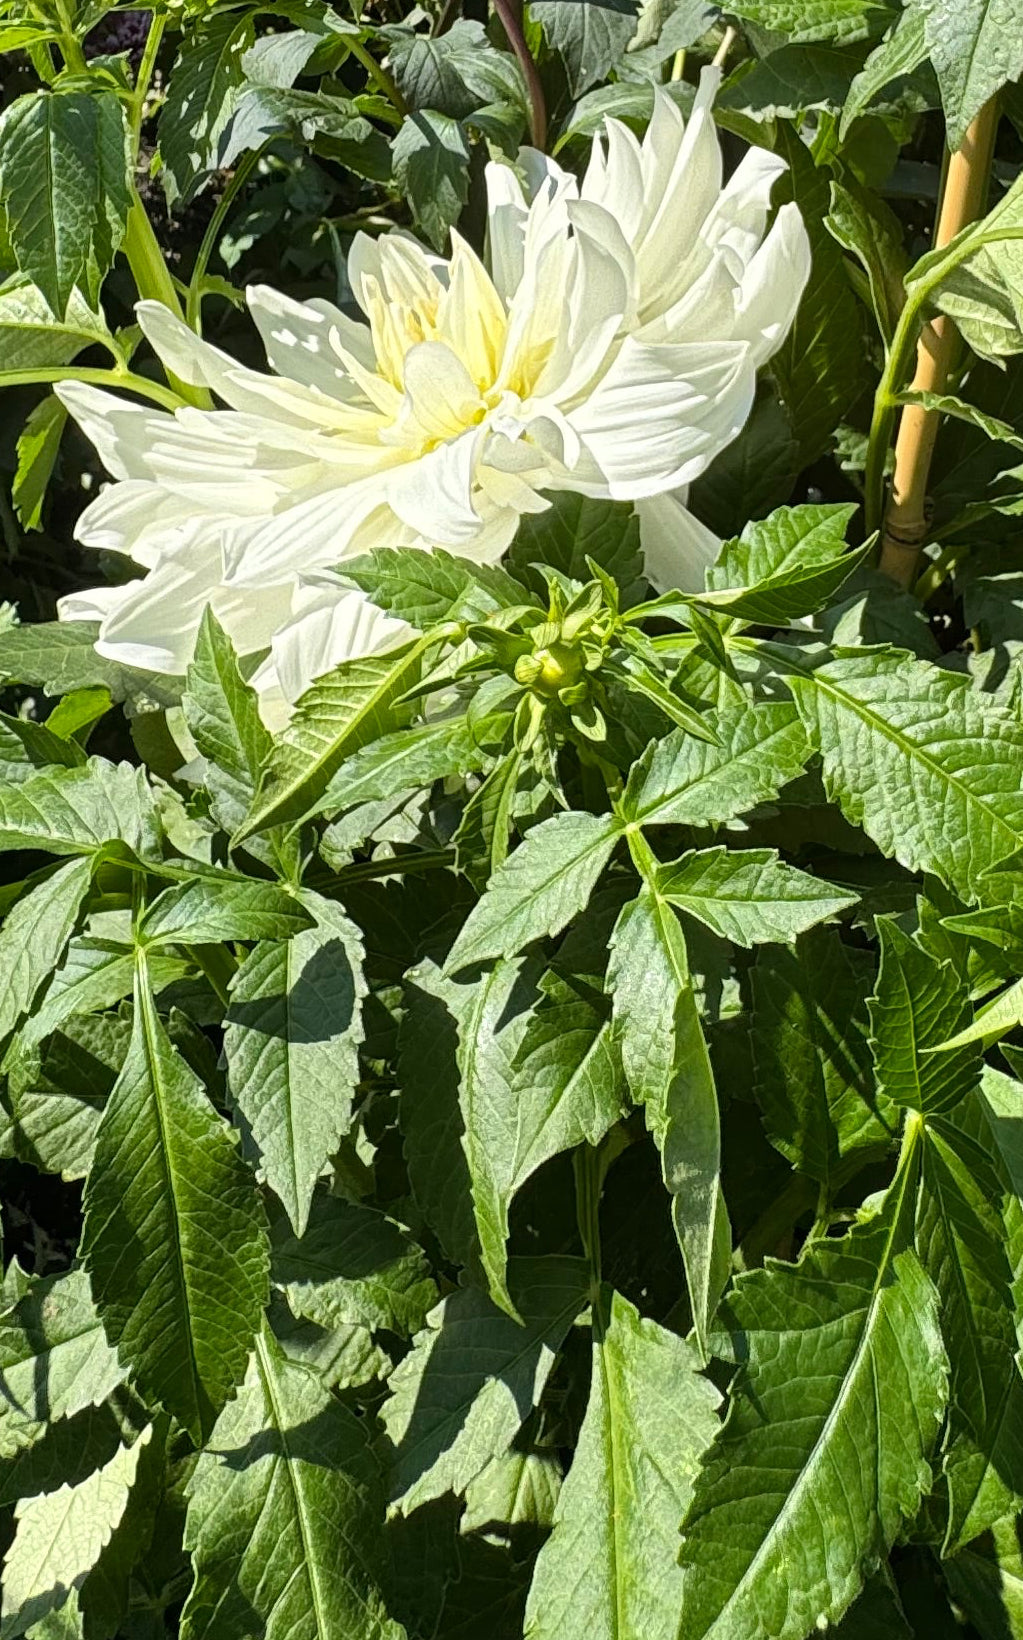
column 297, row 339
column 135, row 517
column 313, row 534
column 433, row 494
column 739, row 216
column 441, row 396
column 507, row 212
column 183, row 352
column 661, row 415
column 677, row 548
column 773, row 285
column 662, row 264
column 595, row 302
column 123, row 433
column 155, row 625
column 92, row 603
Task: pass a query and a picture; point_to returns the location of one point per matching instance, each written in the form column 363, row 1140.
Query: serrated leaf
column 863, row 1372
column 427, row 588
column 59, row 1538
column 669, row 1071
column 516, row 1489
column 38, row 445
column 686, row 782
column 841, row 21
column 986, row 1579
column 291, row 1040
column 208, row 911
column 540, row 1073
column 589, row 37
column 95, row 975
column 864, row 225
column 57, row 1091
column 812, row 1068
column 54, row 1358
column 783, row 567
column 960, row 1241
column 26, row 746
column 455, row 72
column 901, row 52
column 334, row 124
column 976, row 49
column 610, row 1568
column 352, row 1264
column 201, row 96
column 538, row 889
column 918, row 1004
column 32, row 338
column 473, row 1375
column 34, row 937
column 995, row 1019
column 64, row 175
column 174, row 1237
column 926, row 765
column 61, row 656
column 396, row 763
column 749, row 896
column 578, row 527
column 339, row 713
column 430, row 155
column 75, row 811
column 285, row 1514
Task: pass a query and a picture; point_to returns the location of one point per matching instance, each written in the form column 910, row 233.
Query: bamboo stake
column 962, row 200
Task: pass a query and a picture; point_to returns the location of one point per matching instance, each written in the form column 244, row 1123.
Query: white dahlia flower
column 609, row 346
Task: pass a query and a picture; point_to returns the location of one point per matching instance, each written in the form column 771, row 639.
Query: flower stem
column 145, row 74
column 962, row 200
column 165, row 397
column 377, row 73
column 193, row 304
column 154, row 283
column 510, row 14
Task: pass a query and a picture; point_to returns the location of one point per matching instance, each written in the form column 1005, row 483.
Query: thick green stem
column 145, row 74
column 377, row 73
column 165, row 397
column 154, row 283
column 510, row 14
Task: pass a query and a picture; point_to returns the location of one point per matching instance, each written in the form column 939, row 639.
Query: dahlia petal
column 123, row 434
column 677, row 548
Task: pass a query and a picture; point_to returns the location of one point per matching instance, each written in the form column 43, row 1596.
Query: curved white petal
column 134, row 517
column 124, row 434
column 329, row 624
column 433, row 495
column 298, row 339
column 677, row 549
column 773, row 285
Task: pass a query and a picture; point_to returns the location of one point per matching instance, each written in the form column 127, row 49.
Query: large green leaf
column 34, row 937
column 431, row 166
column 30, row 336
column 201, row 96
column 668, row 1067
column 682, row 781
column 426, row 588
column 474, row 1374
column 291, row 1040
column 285, row 1515
column 57, row 1090
column 987, row 1581
column 976, row 48
column 54, row 1358
column 590, row 35
column 75, row 811
column 340, row 712
column 782, row 567
column 174, row 1238
column 575, row 528
column 749, row 896
column 919, row 1003
column 60, row 1536
column 924, row 763
column 833, row 1420
column 351, row 1265
column 64, row 175
column 540, row 1073
column 960, row 1238
column 609, row 1570
column 38, row 445
column 801, row 20
column 212, row 910
column 812, row 1069
column 539, row 888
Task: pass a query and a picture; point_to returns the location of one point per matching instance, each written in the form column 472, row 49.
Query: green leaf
column 902, row 52
column 64, row 176
column 862, row 1372
column 980, row 291
column 335, row 125
column 341, row 712
column 539, row 1074
column 95, row 975
column 459, row 1397
column 174, row 1236
column 918, row 1004
column 976, row 49
column 538, row 889
column 32, row 338
column 749, row 896
column 291, row 1040
column 589, row 37
column 994, row 1020
column 926, row 765
column 842, row 21
column 61, row 656
column 285, row 1515
column 57, row 1092
column 575, row 528
column 428, row 588
column 208, row 911
column 352, row 1264
column 812, row 1068
column 54, row 1358
column 26, row 746
column 517, row 1489
column 986, row 1579
column 201, row 95
column 75, row 811
column 820, row 367
column 669, row 1071
column 430, row 155
column 961, row 1242
column 681, row 781
column 60, row 1536
column 948, row 405
column 610, row 1568
column 864, row 225
column 222, row 713
column 37, row 452
column 455, row 72
column 404, row 761
column 34, row 937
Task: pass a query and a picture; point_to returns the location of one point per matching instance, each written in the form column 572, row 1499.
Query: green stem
column 378, row 74
column 154, row 283
column 193, row 304
column 510, row 14
column 145, row 74
column 589, row 1182
column 70, row 45
column 899, row 359
column 165, row 397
